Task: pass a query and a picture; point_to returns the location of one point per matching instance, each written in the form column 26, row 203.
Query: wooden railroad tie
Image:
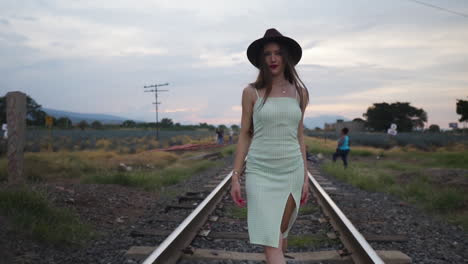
column 177, row 206
column 331, row 256
column 245, row 236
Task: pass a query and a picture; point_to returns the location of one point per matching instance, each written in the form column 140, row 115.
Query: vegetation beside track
column 310, row 239
column 33, row 214
column 29, row 212
column 436, row 181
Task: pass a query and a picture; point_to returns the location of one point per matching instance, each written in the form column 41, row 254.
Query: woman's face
column 274, row 58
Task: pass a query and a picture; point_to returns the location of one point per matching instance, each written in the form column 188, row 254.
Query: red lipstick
column 274, row 66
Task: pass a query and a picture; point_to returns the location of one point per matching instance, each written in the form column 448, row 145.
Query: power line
column 156, row 103
column 440, row 8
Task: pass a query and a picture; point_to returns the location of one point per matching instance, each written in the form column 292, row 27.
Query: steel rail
column 354, row 242
column 170, row 250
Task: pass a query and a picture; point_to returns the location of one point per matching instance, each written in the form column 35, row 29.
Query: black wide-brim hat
column 273, row 35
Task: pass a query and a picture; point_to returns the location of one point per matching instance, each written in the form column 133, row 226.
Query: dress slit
column 293, row 216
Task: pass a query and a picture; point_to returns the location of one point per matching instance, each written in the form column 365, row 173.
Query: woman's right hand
column 236, row 194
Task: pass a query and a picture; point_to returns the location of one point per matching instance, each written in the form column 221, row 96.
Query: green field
column 121, row 140
column 419, row 140
column 436, row 181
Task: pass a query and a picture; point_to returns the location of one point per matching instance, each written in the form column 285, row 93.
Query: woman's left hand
column 305, row 193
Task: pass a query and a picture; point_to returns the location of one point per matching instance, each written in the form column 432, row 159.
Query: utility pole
column 156, row 91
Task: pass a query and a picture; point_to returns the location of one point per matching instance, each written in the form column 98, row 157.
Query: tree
column 380, row 115
column 434, row 128
column 235, row 127
column 129, row 123
column 462, row 109
column 83, row 124
column 357, row 119
column 34, row 114
column 36, row 118
column 96, row 125
column 204, row 125
column 63, row 122
column 166, row 123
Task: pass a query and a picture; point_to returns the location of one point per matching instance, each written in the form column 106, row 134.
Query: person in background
column 220, row 133
column 343, row 149
column 221, row 136
column 231, row 134
column 5, row 131
column 217, row 135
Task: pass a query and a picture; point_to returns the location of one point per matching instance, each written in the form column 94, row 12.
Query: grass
column 228, row 150
column 417, row 190
column 310, row 240
column 236, row 212
column 444, row 159
column 29, row 212
column 54, row 165
column 152, row 179
column 328, row 147
column 400, row 171
column 362, row 177
column 308, row 209
column 316, row 145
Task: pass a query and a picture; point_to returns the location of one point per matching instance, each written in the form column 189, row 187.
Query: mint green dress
column 274, row 168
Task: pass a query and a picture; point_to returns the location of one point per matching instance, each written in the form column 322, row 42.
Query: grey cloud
column 27, row 18
column 116, row 82
column 13, row 37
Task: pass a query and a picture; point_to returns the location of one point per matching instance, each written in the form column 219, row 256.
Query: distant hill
column 319, row 121
column 77, row 117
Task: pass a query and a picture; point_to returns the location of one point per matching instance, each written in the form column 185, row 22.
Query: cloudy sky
column 95, row 56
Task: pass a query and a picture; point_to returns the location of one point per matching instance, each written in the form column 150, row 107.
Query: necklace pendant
column 284, row 91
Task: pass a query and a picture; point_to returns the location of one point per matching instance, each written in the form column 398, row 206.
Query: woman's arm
column 245, row 138
column 242, row 145
column 300, row 138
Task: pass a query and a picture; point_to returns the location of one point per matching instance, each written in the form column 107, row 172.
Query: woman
column 272, row 134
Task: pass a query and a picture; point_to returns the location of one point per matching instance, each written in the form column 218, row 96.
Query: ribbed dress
column 274, row 168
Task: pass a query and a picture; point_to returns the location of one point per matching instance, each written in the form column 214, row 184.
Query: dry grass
column 76, row 164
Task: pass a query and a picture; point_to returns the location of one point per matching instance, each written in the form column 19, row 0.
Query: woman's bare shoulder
column 249, row 88
column 249, row 91
column 305, row 92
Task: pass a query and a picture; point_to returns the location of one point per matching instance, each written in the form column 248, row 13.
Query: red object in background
column 191, row 147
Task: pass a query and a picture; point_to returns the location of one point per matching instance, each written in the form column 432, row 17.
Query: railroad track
column 215, row 230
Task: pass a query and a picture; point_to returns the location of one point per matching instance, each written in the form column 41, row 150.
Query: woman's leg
column 276, row 255
column 284, row 244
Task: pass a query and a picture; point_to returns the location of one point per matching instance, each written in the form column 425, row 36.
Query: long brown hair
column 265, row 78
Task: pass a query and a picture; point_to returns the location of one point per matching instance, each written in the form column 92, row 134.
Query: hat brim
column 295, row 50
